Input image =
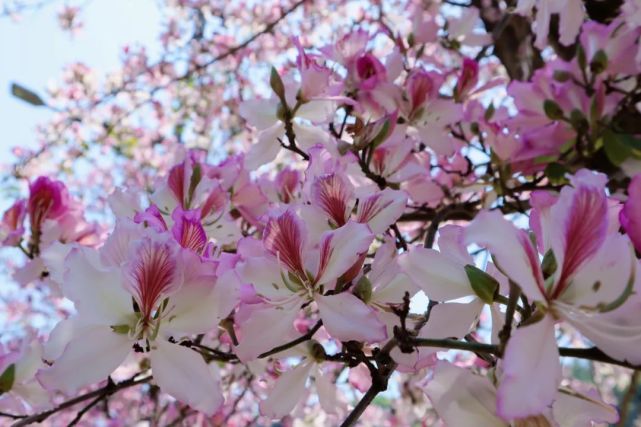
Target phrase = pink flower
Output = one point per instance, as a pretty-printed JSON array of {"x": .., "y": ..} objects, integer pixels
[
  {"x": 468, "y": 78},
  {"x": 594, "y": 274},
  {"x": 630, "y": 215},
  {"x": 48, "y": 199},
  {"x": 11, "y": 227},
  {"x": 289, "y": 270},
  {"x": 175, "y": 294}
]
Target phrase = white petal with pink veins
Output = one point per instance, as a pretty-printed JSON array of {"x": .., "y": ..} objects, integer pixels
[
  {"x": 347, "y": 318},
  {"x": 183, "y": 374},
  {"x": 340, "y": 249},
  {"x": 382, "y": 209}
]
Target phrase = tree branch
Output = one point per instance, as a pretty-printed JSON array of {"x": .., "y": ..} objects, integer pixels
[{"x": 103, "y": 392}]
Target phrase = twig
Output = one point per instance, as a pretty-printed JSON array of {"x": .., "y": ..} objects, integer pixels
[
  {"x": 105, "y": 391},
  {"x": 293, "y": 343}
]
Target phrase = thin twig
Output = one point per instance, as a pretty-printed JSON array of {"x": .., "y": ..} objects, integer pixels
[{"x": 105, "y": 391}]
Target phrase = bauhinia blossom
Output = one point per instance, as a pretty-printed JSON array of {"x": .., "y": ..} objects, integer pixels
[
  {"x": 141, "y": 291},
  {"x": 592, "y": 272}
]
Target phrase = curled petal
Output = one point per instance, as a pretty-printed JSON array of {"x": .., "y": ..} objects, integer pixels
[
  {"x": 341, "y": 249},
  {"x": 381, "y": 209}
]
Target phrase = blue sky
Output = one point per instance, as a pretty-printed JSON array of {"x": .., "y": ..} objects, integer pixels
[{"x": 34, "y": 51}]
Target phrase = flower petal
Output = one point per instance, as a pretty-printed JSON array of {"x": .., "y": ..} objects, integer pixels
[
  {"x": 381, "y": 209},
  {"x": 183, "y": 374},
  {"x": 617, "y": 334},
  {"x": 440, "y": 276},
  {"x": 266, "y": 148},
  {"x": 265, "y": 328},
  {"x": 531, "y": 371},
  {"x": 91, "y": 355},
  {"x": 630, "y": 216},
  {"x": 513, "y": 251},
  {"x": 576, "y": 410},
  {"x": 347, "y": 318},
  {"x": 462, "y": 398},
  {"x": 287, "y": 392},
  {"x": 340, "y": 249},
  {"x": 327, "y": 392},
  {"x": 96, "y": 291}
]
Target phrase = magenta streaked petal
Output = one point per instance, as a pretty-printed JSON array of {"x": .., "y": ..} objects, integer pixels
[
  {"x": 48, "y": 199},
  {"x": 152, "y": 273},
  {"x": 151, "y": 217},
  {"x": 287, "y": 182},
  {"x": 188, "y": 231},
  {"x": 11, "y": 226},
  {"x": 381, "y": 209},
  {"x": 283, "y": 237},
  {"x": 215, "y": 203},
  {"x": 341, "y": 249},
  {"x": 335, "y": 196},
  {"x": 630, "y": 215},
  {"x": 512, "y": 250},
  {"x": 584, "y": 228},
  {"x": 176, "y": 182}
]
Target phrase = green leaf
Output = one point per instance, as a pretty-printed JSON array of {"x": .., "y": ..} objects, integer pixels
[
  {"x": 7, "y": 378},
  {"x": 615, "y": 148},
  {"x": 484, "y": 285},
  {"x": 26, "y": 95}
]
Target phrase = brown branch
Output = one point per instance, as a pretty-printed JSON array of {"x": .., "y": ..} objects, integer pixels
[
  {"x": 308, "y": 336},
  {"x": 103, "y": 392}
]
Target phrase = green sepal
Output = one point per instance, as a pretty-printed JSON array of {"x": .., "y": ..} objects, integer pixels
[{"x": 484, "y": 285}]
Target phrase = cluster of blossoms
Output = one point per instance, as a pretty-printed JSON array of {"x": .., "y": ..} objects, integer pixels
[{"x": 406, "y": 217}]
